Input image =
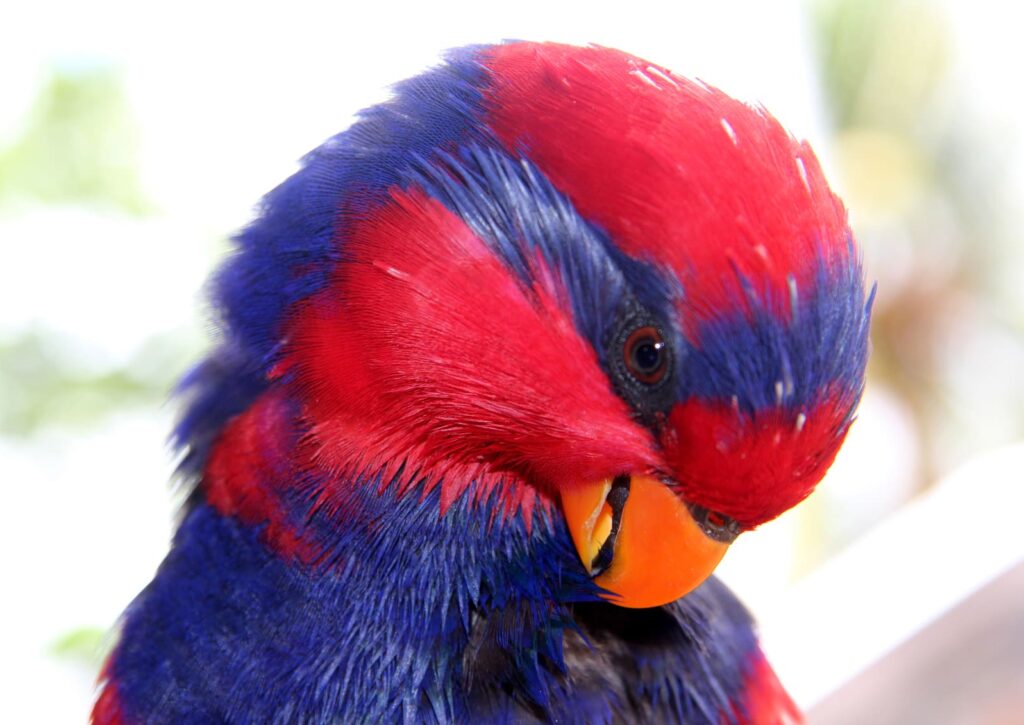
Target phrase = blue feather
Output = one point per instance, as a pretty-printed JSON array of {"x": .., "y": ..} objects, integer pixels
[{"x": 229, "y": 631}]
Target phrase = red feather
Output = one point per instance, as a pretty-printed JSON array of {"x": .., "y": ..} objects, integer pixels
[
  {"x": 676, "y": 171},
  {"x": 766, "y": 701}
]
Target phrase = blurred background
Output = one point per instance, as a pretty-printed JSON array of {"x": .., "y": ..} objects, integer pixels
[{"x": 134, "y": 141}]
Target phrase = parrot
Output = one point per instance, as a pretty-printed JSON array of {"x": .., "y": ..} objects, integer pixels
[{"x": 500, "y": 373}]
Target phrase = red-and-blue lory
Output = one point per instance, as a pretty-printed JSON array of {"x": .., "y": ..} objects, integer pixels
[{"x": 501, "y": 373}]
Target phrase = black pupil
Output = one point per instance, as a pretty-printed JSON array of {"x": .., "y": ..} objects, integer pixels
[{"x": 647, "y": 355}]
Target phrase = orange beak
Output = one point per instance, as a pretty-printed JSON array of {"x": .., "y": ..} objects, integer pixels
[{"x": 639, "y": 540}]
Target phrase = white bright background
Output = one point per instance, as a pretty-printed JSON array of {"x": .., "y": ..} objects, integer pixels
[{"x": 226, "y": 99}]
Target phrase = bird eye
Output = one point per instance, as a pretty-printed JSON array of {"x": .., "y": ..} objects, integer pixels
[
  {"x": 645, "y": 355},
  {"x": 641, "y": 360}
]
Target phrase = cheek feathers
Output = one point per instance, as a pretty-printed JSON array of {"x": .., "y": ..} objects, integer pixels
[{"x": 424, "y": 345}]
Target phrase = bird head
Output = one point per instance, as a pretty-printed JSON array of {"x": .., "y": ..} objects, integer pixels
[{"x": 564, "y": 278}]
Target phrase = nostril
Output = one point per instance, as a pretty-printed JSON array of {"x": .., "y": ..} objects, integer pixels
[
  {"x": 716, "y": 519},
  {"x": 716, "y": 525}
]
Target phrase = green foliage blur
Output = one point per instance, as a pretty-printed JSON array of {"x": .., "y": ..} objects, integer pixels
[{"x": 78, "y": 147}]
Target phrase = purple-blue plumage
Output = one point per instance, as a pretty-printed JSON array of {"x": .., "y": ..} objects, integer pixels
[{"x": 471, "y": 631}]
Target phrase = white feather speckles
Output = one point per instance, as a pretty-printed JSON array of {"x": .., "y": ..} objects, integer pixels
[
  {"x": 794, "y": 296},
  {"x": 644, "y": 77},
  {"x": 788, "y": 385},
  {"x": 391, "y": 271},
  {"x": 801, "y": 420},
  {"x": 802, "y": 170},
  {"x": 727, "y": 127},
  {"x": 661, "y": 74}
]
